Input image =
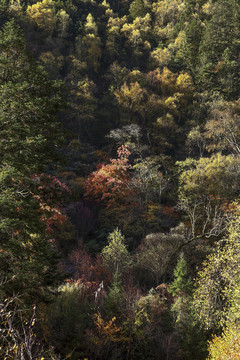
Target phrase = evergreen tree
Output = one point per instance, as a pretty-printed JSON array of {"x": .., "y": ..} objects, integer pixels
[
  {"x": 28, "y": 198},
  {"x": 182, "y": 282},
  {"x": 115, "y": 255},
  {"x": 29, "y": 104},
  {"x": 219, "y": 49},
  {"x": 189, "y": 332},
  {"x": 4, "y": 5}
]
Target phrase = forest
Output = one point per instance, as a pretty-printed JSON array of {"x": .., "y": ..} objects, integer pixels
[{"x": 119, "y": 180}]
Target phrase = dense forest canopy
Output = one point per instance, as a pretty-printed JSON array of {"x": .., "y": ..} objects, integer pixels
[{"x": 119, "y": 179}]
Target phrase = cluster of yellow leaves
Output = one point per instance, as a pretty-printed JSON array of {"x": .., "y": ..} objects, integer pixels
[
  {"x": 91, "y": 44},
  {"x": 214, "y": 176},
  {"x": 227, "y": 346},
  {"x": 167, "y": 13},
  {"x": 169, "y": 84},
  {"x": 108, "y": 331},
  {"x": 218, "y": 292},
  {"x": 138, "y": 31},
  {"x": 130, "y": 97},
  {"x": 113, "y": 34},
  {"x": 43, "y": 14},
  {"x": 160, "y": 57},
  {"x": 90, "y": 25}
]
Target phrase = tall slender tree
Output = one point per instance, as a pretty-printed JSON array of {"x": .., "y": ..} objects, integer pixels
[{"x": 29, "y": 133}]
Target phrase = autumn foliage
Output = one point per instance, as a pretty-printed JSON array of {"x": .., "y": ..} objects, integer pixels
[
  {"x": 227, "y": 346},
  {"x": 110, "y": 182},
  {"x": 49, "y": 193}
]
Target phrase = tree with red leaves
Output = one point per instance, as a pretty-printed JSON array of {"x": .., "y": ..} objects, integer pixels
[{"x": 110, "y": 182}]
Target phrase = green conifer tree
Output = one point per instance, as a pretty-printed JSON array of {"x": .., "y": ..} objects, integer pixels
[
  {"x": 28, "y": 137},
  {"x": 219, "y": 49},
  {"x": 182, "y": 282}
]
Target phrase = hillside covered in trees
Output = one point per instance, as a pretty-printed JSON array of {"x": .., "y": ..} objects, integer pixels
[{"x": 119, "y": 180}]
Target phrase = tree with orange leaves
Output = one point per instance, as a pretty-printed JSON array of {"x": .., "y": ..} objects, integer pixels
[{"x": 110, "y": 182}]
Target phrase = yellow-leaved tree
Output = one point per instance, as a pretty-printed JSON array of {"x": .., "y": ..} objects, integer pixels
[{"x": 43, "y": 14}]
